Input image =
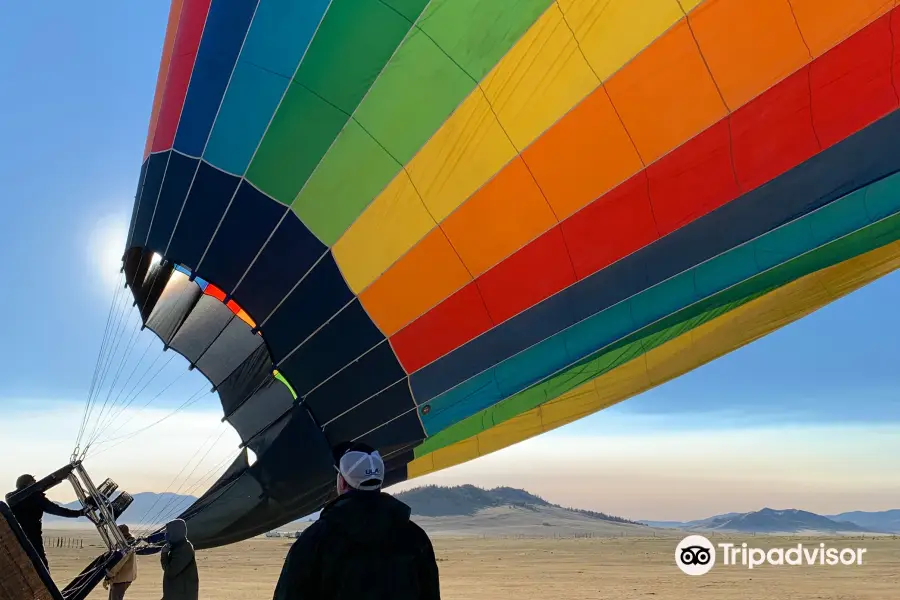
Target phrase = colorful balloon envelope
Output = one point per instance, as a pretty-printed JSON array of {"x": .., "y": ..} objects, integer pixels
[{"x": 442, "y": 227}]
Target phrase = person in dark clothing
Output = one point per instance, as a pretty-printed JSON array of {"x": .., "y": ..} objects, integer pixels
[
  {"x": 363, "y": 545},
  {"x": 181, "y": 580},
  {"x": 30, "y": 511}
]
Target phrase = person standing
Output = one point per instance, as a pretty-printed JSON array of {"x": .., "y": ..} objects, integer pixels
[
  {"x": 121, "y": 576},
  {"x": 29, "y": 512},
  {"x": 363, "y": 546},
  {"x": 181, "y": 580}
]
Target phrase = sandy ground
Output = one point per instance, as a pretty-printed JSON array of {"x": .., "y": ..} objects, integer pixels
[{"x": 562, "y": 568}]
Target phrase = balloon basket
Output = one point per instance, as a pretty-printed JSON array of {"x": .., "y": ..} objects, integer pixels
[{"x": 24, "y": 576}]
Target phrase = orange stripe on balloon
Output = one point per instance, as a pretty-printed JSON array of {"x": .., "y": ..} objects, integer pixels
[
  {"x": 243, "y": 316},
  {"x": 164, "y": 62}
]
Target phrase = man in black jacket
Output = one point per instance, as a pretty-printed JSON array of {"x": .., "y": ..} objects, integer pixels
[
  {"x": 30, "y": 511},
  {"x": 363, "y": 546}
]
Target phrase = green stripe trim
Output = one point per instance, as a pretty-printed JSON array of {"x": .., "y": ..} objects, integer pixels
[{"x": 281, "y": 378}]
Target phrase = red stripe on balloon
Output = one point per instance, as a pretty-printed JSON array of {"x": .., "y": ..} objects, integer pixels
[{"x": 187, "y": 42}]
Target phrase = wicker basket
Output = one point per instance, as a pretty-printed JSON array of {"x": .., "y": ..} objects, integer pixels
[{"x": 19, "y": 580}]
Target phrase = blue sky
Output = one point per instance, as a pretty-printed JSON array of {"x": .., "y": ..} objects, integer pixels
[{"x": 78, "y": 88}]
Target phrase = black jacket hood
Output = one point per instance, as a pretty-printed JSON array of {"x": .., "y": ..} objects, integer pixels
[{"x": 365, "y": 516}]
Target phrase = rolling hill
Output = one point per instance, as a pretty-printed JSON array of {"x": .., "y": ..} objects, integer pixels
[
  {"x": 439, "y": 501},
  {"x": 770, "y": 520},
  {"x": 886, "y": 520},
  {"x": 467, "y": 510}
]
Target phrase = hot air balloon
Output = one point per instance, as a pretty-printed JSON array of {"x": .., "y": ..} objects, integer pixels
[{"x": 442, "y": 227}]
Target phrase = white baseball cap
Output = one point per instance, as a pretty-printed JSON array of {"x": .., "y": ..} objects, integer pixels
[{"x": 362, "y": 470}]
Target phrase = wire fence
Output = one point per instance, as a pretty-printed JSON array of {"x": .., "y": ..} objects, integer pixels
[{"x": 64, "y": 542}]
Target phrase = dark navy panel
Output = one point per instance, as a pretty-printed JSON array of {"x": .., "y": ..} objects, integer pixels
[
  {"x": 344, "y": 339},
  {"x": 221, "y": 506},
  {"x": 321, "y": 295},
  {"x": 284, "y": 493},
  {"x": 250, "y": 220},
  {"x": 270, "y": 402},
  {"x": 629, "y": 277},
  {"x": 397, "y": 455},
  {"x": 407, "y": 428},
  {"x": 261, "y": 441},
  {"x": 287, "y": 257},
  {"x": 399, "y": 473},
  {"x": 381, "y": 414},
  {"x": 524, "y": 330},
  {"x": 269, "y": 514},
  {"x": 396, "y": 458},
  {"x": 360, "y": 381},
  {"x": 137, "y": 197},
  {"x": 204, "y": 207},
  {"x": 156, "y": 170},
  {"x": 253, "y": 373},
  {"x": 179, "y": 175},
  {"x": 223, "y": 35},
  {"x": 237, "y": 467},
  {"x": 859, "y": 160},
  {"x": 301, "y": 441}
]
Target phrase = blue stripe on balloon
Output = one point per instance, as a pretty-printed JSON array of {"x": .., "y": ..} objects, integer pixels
[
  {"x": 223, "y": 35},
  {"x": 281, "y": 32}
]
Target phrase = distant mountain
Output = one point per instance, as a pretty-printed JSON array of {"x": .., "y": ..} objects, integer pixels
[
  {"x": 436, "y": 501},
  {"x": 147, "y": 508},
  {"x": 769, "y": 520},
  {"x": 439, "y": 501},
  {"x": 886, "y": 520},
  {"x": 468, "y": 510},
  {"x": 688, "y": 524}
]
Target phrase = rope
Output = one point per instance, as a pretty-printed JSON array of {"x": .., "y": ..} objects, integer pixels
[
  {"x": 100, "y": 354},
  {"x": 147, "y": 518}
]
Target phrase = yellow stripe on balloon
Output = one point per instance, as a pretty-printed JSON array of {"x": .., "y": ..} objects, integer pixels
[
  {"x": 695, "y": 348},
  {"x": 544, "y": 75},
  {"x": 612, "y": 32}
]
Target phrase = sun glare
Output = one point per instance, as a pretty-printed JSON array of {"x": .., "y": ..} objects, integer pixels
[{"x": 107, "y": 244}]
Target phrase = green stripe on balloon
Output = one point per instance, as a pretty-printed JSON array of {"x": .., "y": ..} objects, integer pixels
[
  {"x": 281, "y": 378},
  {"x": 354, "y": 42},
  {"x": 439, "y": 64}
]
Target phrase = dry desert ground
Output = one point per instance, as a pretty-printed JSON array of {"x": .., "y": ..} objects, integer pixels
[{"x": 548, "y": 568}]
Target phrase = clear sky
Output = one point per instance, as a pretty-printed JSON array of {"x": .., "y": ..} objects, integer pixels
[{"x": 808, "y": 417}]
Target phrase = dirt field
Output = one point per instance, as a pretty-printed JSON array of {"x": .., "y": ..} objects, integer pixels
[{"x": 612, "y": 568}]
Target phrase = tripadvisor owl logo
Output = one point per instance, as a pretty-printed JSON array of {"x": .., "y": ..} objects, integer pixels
[{"x": 695, "y": 555}]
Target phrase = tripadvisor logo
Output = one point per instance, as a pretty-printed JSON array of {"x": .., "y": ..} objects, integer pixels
[{"x": 696, "y": 555}]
